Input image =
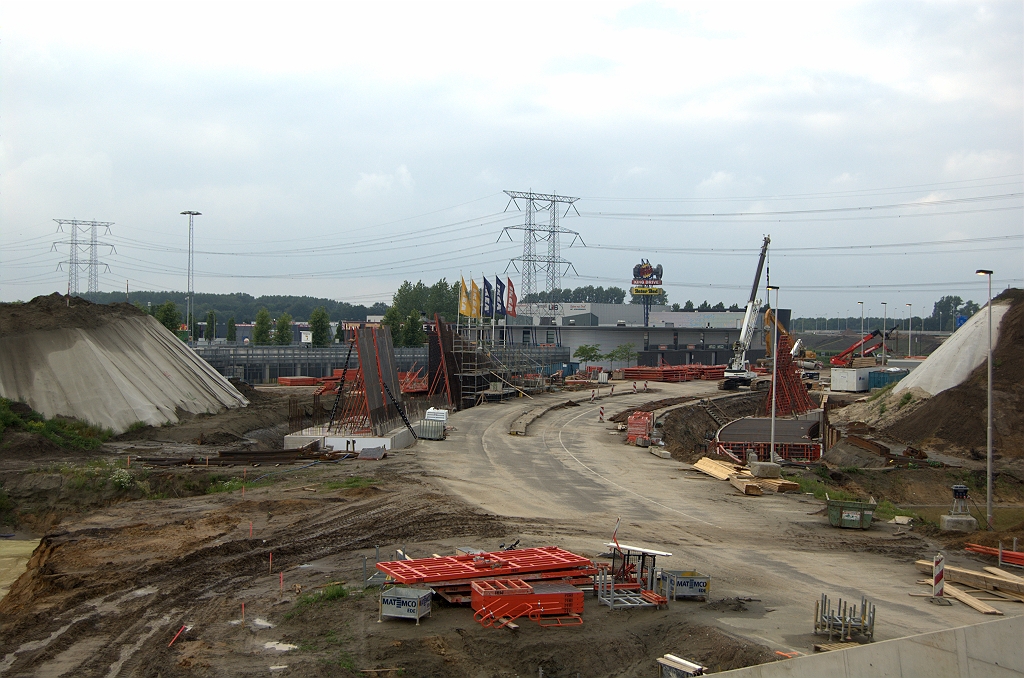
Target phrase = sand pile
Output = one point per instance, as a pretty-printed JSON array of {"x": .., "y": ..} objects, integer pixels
[
  {"x": 954, "y": 419},
  {"x": 952, "y": 362},
  {"x": 110, "y": 365}
]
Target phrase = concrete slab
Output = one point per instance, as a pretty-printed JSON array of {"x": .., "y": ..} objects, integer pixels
[{"x": 950, "y": 523}]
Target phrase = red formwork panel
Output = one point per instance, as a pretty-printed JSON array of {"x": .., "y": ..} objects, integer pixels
[
  {"x": 514, "y": 598},
  {"x": 452, "y": 569}
]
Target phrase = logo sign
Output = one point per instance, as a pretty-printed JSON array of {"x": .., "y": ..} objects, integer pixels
[
  {"x": 646, "y": 281},
  {"x": 639, "y": 291},
  {"x": 306, "y": 337}
]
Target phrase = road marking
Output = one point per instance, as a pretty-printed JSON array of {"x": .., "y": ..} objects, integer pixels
[{"x": 615, "y": 484}]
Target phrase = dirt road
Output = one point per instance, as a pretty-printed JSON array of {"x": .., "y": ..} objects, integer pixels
[
  {"x": 576, "y": 470},
  {"x": 105, "y": 593}
]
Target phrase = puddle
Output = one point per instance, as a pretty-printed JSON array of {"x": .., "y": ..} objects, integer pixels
[
  {"x": 280, "y": 647},
  {"x": 261, "y": 623},
  {"x": 14, "y": 554},
  {"x": 279, "y": 667}
]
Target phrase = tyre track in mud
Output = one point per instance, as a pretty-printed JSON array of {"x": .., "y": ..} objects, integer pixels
[{"x": 196, "y": 587}]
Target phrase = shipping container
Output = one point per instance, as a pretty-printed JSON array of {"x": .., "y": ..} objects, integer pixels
[
  {"x": 883, "y": 378},
  {"x": 849, "y": 379}
]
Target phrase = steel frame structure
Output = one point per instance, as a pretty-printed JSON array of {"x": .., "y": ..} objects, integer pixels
[
  {"x": 532, "y": 262},
  {"x": 77, "y": 246}
]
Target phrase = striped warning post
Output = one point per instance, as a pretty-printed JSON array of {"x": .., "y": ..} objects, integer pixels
[
  {"x": 634, "y": 387},
  {"x": 938, "y": 566},
  {"x": 593, "y": 395},
  {"x": 600, "y": 414},
  {"x": 612, "y": 392},
  {"x": 645, "y": 387}
]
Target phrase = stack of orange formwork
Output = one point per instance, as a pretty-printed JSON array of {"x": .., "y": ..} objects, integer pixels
[
  {"x": 666, "y": 373},
  {"x": 452, "y": 577},
  {"x": 499, "y": 602},
  {"x": 297, "y": 381},
  {"x": 639, "y": 425}
]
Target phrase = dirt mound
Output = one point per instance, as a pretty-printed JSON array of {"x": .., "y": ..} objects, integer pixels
[
  {"x": 622, "y": 416},
  {"x": 24, "y": 445},
  {"x": 55, "y": 312},
  {"x": 109, "y": 366},
  {"x": 954, "y": 421},
  {"x": 843, "y": 454},
  {"x": 687, "y": 430}
]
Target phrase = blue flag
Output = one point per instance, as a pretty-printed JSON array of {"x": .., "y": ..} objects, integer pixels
[
  {"x": 488, "y": 300},
  {"x": 499, "y": 297}
]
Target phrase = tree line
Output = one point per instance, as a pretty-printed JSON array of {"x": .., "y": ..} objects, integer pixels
[
  {"x": 942, "y": 319},
  {"x": 588, "y": 353},
  {"x": 244, "y": 307}
]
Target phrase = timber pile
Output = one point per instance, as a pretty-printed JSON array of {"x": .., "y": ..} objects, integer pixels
[
  {"x": 992, "y": 585},
  {"x": 741, "y": 478}
]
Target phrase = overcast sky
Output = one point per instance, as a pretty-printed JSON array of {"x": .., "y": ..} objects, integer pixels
[{"x": 337, "y": 149}]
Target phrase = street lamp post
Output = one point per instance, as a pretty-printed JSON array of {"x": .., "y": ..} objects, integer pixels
[
  {"x": 885, "y": 323},
  {"x": 988, "y": 436},
  {"x": 775, "y": 371},
  {"x": 910, "y": 331},
  {"x": 191, "y": 274},
  {"x": 861, "y": 327}
]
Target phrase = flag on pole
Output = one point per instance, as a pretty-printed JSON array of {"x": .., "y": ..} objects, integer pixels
[
  {"x": 474, "y": 299},
  {"x": 488, "y": 301},
  {"x": 464, "y": 307},
  {"x": 499, "y": 296},
  {"x": 510, "y": 306}
]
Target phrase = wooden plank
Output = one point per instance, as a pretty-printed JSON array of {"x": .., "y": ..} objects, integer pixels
[
  {"x": 970, "y": 601},
  {"x": 709, "y": 467},
  {"x": 1003, "y": 574},
  {"x": 981, "y": 580},
  {"x": 777, "y": 485},
  {"x": 747, "y": 487}
]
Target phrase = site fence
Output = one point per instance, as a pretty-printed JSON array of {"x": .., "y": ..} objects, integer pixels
[{"x": 264, "y": 364}]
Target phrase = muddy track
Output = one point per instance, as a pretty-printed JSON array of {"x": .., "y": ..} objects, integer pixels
[{"x": 128, "y": 610}]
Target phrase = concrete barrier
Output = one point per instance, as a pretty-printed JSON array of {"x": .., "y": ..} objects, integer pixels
[{"x": 990, "y": 649}]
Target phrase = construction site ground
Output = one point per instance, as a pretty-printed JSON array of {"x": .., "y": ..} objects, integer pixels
[{"x": 111, "y": 583}]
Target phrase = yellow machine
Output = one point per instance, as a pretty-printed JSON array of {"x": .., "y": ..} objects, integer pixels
[{"x": 798, "y": 352}]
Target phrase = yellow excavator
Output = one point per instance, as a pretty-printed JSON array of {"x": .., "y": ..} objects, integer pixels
[{"x": 799, "y": 353}]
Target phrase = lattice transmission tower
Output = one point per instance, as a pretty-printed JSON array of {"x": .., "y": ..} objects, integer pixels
[
  {"x": 532, "y": 263},
  {"x": 83, "y": 239}
]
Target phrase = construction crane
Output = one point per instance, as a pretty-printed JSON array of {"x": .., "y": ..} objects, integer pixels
[
  {"x": 846, "y": 357},
  {"x": 738, "y": 373}
]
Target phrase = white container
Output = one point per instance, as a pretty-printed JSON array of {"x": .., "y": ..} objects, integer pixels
[
  {"x": 405, "y": 603},
  {"x": 436, "y": 414},
  {"x": 852, "y": 380},
  {"x": 602, "y": 377}
]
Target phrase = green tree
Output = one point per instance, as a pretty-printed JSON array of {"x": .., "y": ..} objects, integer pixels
[
  {"x": 283, "y": 330},
  {"x": 688, "y": 306},
  {"x": 412, "y": 332},
  {"x": 587, "y": 353},
  {"x": 393, "y": 320},
  {"x": 168, "y": 315},
  {"x": 339, "y": 334},
  {"x": 622, "y": 353},
  {"x": 211, "y": 325},
  {"x": 232, "y": 333},
  {"x": 718, "y": 307},
  {"x": 320, "y": 325},
  {"x": 704, "y": 306},
  {"x": 261, "y": 328}
]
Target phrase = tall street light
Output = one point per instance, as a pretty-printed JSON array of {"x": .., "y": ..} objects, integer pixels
[
  {"x": 885, "y": 323},
  {"x": 775, "y": 369},
  {"x": 191, "y": 274},
  {"x": 988, "y": 441},
  {"x": 861, "y": 327},
  {"x": 910, "y": 332}
]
